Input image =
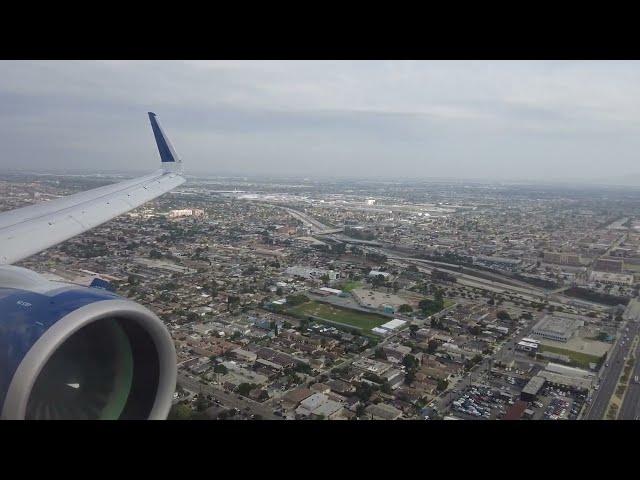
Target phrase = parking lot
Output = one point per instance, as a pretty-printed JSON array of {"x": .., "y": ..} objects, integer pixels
[
  {"x": 481, "y": 402},
  {"x": 561, "y": 404},
  {"x": 492, "y": 399}
]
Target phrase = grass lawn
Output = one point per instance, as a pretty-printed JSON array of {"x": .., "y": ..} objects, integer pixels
[
  {"x": 581, "y": 360},
  {"x": 447, "y": 303},
  {"x": 344, "y": 316},
  {"x": 350, "y": 285}
]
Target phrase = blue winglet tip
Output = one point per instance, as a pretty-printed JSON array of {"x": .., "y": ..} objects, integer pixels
[{"x": 167, "y": 154}]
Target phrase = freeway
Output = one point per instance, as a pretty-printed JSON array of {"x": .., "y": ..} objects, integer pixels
[
  {"x": 610, "y": 374},
  {"x": 228, "y": 399},
  {"x": 522, "y": 289},
  {"x": 307, "y": 219},
  {"x": 529, "y": 293}
]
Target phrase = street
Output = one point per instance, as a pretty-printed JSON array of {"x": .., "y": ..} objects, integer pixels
[
  {"x": 630, "y": 409},
  {"x": 230, "y": 400},
  {"x": 610, "y": 374}
]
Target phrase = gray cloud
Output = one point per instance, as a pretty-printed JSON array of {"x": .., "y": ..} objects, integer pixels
[{"x": 536, "y": 120}]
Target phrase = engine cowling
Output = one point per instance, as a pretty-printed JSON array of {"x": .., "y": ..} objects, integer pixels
[{"x": 71, "y": 352}]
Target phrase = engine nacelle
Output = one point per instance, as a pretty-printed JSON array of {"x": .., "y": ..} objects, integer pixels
[{"x": 71, "y": 352}]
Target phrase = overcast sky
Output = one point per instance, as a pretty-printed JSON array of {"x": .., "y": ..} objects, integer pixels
[{"x": 467, "y": 119}]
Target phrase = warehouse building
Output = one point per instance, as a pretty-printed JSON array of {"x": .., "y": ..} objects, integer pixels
[
  {"x": 387, "y": 328},
  {"x": 527, "y": 346},
  {"x": 570, "y": 377},
  {"x": 310, "y": 273},
  {"x": 609, "y": 265},
  {"x": 559, "y": 329},
  {"x": 375, "y": 273},
  {"x": 613, "y": 278},
  {"x": 532, "y": 388}
]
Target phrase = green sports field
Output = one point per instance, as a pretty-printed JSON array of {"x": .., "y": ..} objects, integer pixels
[
  {"x": 581, "y": 360},
  {"x": 350, "y": 285},
  {"x": 344, "y": 316}
]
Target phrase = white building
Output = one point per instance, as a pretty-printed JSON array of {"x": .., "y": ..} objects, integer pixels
[
  {"x": 559, "y": 329},
  {"x": 333, "y": 291},
  {"x": 309, "y": 272},
  {"x": 375, "y": 273},
  {"x": 527, "y": 346},
  {"x": 614, "y": 278},
  {"x": 309, "y": 404},
  {"x": 190, "y": 212}
]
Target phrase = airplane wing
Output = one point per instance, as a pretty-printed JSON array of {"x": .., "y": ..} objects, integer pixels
[{"x": 29, "y": 230}]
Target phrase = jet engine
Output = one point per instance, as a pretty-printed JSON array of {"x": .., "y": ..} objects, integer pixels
[{"x": 73, "y": 352}]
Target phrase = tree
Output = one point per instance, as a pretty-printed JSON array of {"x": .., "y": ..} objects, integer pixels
[
  {"x": 303, "y": 368},
  {"x": 410, "y": 362},
  {"x": 409, "y": 378},
  {"x": 201, "y": 403},
  {"x": 245, "y": 388},
  {"x": 475, "y": 330},
  {"x": 442, "y": 384},
  {"x": 220, "y": 369},
  {"x": 379, "y": 354},
  {"x": 378, "y": 280},
  {"x": 232, "y": 301},
  {"x": 298, "y": 299},
  {"x": 503, "y": 315},
  {"x": 405, "y": 308},
  {"x": 438, "y": 298},
  {"x": 364, "y": 391},
  {"x": 304, "y": 324},
  {"x": 180, "y": 412}
]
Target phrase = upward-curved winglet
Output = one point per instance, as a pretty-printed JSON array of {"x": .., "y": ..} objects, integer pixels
[
  {"x": 31, "y": 229},
  {"x": 168, "y": 156}
]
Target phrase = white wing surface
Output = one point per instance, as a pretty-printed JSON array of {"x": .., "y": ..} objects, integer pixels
[{"x": 29, "y": 230}]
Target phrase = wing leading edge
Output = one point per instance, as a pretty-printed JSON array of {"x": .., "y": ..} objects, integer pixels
[{"x": 29, "y": 230}]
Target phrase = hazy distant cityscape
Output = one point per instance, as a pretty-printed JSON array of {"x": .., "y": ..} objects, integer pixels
[{"x": 345, "y": 300}]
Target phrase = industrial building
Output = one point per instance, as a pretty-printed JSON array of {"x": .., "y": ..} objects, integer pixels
[
  {"x": 190, "y": 212},
  {"x": 527, "y": 346},
  {"x": 562, "y": 258},
  {"x": 387, "y": 328},
  {"x": 375, "y": 273},
  {"x": 499, "y": 262},
  {"x": 609, "y": 265},
  {"x": 532, "y": 388},
  {"x": 568, "y": 376},
  {"x": 309, "y": 273},
  {"x": 613, "y": 278},
  {"x": 559, "y": 329}
]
